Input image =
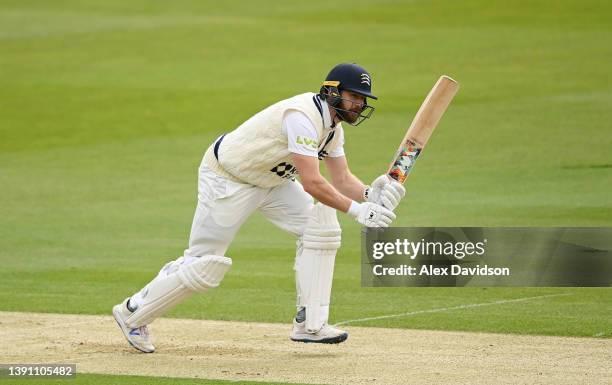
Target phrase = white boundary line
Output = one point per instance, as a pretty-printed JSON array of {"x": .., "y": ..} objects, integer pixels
[{"x": 443, "y": 309}]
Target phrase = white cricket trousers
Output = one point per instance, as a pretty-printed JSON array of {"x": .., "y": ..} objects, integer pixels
[{"x": 224, "y": 206}]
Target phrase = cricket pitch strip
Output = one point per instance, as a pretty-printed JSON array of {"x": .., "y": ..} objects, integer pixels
[{"x": 263, "y": 352}]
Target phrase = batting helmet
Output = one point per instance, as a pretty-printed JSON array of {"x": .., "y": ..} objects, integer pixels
[{"x": 349, "y": 77}]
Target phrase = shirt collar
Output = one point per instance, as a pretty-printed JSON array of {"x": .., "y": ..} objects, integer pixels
[{"x": 327, "y": 120}]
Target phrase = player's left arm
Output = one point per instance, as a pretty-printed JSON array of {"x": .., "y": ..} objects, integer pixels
[{"x": 343, "y": 179}]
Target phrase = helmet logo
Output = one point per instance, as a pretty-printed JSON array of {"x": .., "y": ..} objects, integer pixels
[{"x": 365, "y": 78}]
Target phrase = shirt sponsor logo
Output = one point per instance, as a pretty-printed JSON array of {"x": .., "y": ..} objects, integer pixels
[
  {"x": 309, "y": 143},
  {"x": 285, "y": 170}
]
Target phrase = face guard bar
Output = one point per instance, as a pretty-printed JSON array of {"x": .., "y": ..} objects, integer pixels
[{"x": 332, "y": 95}]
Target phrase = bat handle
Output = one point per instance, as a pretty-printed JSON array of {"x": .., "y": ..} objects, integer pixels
[{"x": 393, "y": 174}]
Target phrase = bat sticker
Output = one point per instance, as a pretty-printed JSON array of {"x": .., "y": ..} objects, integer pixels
[{"x": 404, "y": 161}]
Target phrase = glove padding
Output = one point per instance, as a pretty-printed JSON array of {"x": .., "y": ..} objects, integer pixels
[
  {"x": 386, "y": 192},
  {"x": 371, "y": 215}
]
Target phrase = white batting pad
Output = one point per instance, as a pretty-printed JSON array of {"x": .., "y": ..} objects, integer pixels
[
  {"x": 165, "y": 292},
  {"x": 315, "y": 265}
]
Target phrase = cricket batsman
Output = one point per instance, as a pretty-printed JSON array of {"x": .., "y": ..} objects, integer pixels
[{"x": 254, "y": 168}]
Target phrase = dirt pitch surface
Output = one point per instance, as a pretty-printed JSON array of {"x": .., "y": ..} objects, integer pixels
[{"x": 262, "y": 352}]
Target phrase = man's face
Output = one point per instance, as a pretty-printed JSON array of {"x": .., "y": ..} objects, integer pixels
[{"x": 352, "y": 102}]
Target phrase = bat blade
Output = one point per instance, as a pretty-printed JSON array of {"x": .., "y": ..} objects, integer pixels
[{"x": 421, "y": 128}]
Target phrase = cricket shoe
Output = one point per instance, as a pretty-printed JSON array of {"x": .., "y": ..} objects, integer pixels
[
  {"x": 326, "y": 335},
  {"x": 137, "y": 337}
]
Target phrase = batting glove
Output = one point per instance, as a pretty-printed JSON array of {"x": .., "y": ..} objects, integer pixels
[
  {"x": 371, "y": 215},
  {"x": 385, "y": 191}
]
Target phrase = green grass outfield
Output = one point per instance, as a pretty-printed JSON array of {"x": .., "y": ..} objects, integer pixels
[{"x": 106, "y": 109}]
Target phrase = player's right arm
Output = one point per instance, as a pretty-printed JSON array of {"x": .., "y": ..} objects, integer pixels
[
  {"x": 367, "y": 213},
  {"x": 302, "y": 143},
  {"x": 316, "y": 185}
]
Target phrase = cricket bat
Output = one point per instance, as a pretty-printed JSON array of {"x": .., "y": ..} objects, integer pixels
[{"x": 422, "y": 127}]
